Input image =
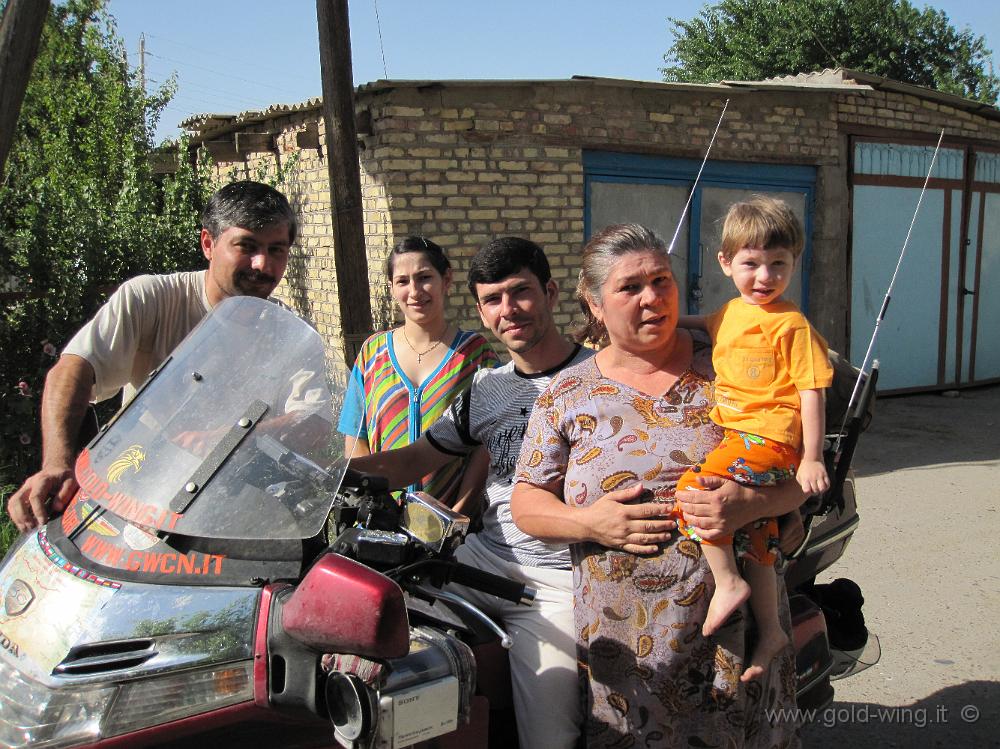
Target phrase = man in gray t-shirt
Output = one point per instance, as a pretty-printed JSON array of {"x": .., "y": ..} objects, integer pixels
[
  {"x": 247, "y": 230},
  {"x": 516, "y": 298},
  {"x": 494, "y": 412}
]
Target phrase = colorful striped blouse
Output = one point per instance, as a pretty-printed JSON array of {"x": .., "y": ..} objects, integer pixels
[{"x": 396, "y": 412}]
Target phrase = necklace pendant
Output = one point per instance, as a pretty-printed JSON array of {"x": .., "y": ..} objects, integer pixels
[{"x": 420, "y": 358}]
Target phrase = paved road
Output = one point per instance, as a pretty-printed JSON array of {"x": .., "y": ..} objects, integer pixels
[{"x": 927, "y": 556}]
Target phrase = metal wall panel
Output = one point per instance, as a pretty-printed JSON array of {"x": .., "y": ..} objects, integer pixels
[
  {"x": 907, "y": 344},
  {"x": 987, "y": 361}
]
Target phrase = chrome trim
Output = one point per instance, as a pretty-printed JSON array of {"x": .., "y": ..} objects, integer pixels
[
  {"x": 845, "y": 531},
  {"x": 106, "y": 657},
  {"x": 815, "y": 679},
  {"x": 805, "y": 541},
  {"x": 137, "y": 630},
  {"x": 505, "y": 639}
]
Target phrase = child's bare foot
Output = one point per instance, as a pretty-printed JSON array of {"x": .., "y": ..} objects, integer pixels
[
  {"x": 768, "y": 646},
  {"x": 728, "y": 597}
]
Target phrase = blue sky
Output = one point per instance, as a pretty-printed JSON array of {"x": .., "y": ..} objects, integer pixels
[{"x": 233, "y": 55}]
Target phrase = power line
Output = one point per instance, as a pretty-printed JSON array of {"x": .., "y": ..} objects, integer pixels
[
  {"x": 203, "y": 105},
  {"x": 201, "y": 50},
  {"x": 378, "y": 24},
  {"x": 184, "y": 83},
  {"x": 215, "y": 72},
  {"x": 184, "y": 92},
  {"x": 837, "y": 63}
]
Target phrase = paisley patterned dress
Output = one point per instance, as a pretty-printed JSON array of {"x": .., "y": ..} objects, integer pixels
[{"x": 649, "y": 677}]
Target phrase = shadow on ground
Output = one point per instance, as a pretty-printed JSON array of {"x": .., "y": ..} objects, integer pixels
[
  {"x": 966, "y": 715},
  {"x": 910, "y": 431}
]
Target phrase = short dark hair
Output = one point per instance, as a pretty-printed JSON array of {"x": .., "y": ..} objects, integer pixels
[
  {"x": 505, "y": 256},
  {"x": 248, "y": 205},
  {"x": 431, "y": 250}
]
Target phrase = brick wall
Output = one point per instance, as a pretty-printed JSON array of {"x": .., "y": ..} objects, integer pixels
[
  {"x": 310, "y": 284},
  {"x": 463, "y": 163},
  {"x": 910, "y": 114}
]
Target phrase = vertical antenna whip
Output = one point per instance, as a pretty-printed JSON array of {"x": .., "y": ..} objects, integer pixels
[
  {"x": 892, "y": 282},
  {"x": 680, "y": 222}
]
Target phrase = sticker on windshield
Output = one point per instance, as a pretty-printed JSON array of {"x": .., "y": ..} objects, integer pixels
[
  {"x": 37, "y": 632},
  {"x": 131, "y": 459},
  {"x": 94, "y": 487}
]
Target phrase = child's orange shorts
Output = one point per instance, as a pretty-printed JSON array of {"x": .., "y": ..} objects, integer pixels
[{"x": 754, "y": 461}]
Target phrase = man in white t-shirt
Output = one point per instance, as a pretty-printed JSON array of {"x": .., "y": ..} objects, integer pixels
[
  {"x": 247, "y": 231},
  {"x": 516, "y": 298}
]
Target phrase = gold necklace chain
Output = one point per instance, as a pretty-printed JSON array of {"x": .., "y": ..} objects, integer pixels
[{"x": 420, "y": 354}]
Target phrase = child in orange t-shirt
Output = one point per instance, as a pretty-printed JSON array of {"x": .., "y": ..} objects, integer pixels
[{"x": 771, "y": 367}]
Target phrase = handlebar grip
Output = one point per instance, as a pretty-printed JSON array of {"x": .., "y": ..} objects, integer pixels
[{"x": 501, "y": 587}]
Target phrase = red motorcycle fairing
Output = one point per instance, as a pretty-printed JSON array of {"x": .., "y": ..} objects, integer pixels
[
  {"x": 242, "y": 725},
  {"x": 342, "y": 606},
  {"x": 260, "y": 660}
]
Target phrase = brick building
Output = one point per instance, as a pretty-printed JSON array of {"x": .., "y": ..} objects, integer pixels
[{"x": 465, "y": 161}]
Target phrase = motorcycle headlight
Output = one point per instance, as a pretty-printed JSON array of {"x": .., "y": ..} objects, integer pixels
[
  {"x": 149, "y": 702},
  {"x": 32, "y": 715}
]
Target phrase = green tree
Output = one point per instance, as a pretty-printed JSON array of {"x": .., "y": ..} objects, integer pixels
[
  {"x": 80, "y": 209},
  {"x": 757, "y": 39}
]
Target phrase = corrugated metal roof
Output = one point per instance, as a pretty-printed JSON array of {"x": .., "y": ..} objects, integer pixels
[
  {"x": 203, "y": 126},
  {"x": 832, "y": 79}
]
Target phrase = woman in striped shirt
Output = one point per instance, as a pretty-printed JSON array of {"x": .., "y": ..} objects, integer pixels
[{"x": 404, "y": 379}]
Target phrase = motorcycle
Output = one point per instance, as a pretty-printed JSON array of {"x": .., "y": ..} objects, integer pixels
[
  {"x": 222, "y": 575},
  {"x": 828, "y": 628}
]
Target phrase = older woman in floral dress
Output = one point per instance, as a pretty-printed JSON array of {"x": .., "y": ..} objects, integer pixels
[{"x": 623, "y": 424}]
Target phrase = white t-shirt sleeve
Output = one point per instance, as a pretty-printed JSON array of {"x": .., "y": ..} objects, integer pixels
[
  {"x": 137, "y": 328},
  {"x": 111, "y": 340}
]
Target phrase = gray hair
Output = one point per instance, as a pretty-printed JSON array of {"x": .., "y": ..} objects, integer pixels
[
  {"x": 600, "y": 255},
  {"x": 248, "y": 205}
]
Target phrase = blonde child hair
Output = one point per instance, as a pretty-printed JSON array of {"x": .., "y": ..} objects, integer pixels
[{"x": 761, "y": 223}]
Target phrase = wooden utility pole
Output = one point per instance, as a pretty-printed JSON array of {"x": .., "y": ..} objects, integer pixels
[
  {"x": 20, "y": 32},
  {"x": 142, "y": 62},
  {"x": 351, "y": 262}
]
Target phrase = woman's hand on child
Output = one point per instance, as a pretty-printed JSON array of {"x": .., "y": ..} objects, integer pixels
[
  {"x": 718, "y": 509},
  {"x": 812, "y": 477}
]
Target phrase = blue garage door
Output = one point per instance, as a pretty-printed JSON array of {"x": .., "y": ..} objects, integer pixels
[{"x": 652, "y": 190}]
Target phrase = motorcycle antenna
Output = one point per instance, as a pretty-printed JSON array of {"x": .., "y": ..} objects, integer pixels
[
  {"x": 680, "y": 222},
  {"x": 888, "y": 293}
]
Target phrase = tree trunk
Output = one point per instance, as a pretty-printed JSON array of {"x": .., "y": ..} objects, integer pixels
[{"x": 20, "y": 32}]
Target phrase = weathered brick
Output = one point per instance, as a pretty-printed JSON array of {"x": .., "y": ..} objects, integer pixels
[
  {"x": 482, "y": 214},
  {"x": 442, "y": 189}
]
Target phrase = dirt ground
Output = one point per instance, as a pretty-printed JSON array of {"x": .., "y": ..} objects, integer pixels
[{"x": 927, "y": 556}]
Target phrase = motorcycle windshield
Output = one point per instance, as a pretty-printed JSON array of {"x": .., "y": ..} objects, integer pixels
[{"x": 232, "y": 438}]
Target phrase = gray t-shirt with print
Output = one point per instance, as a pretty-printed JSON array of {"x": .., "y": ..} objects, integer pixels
[{"x": 494, "y": 412}]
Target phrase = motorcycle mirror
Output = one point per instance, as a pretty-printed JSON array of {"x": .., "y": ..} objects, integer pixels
[
  {"x": 432, "y": 523},
  {"x": 342, "y": 606}
]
